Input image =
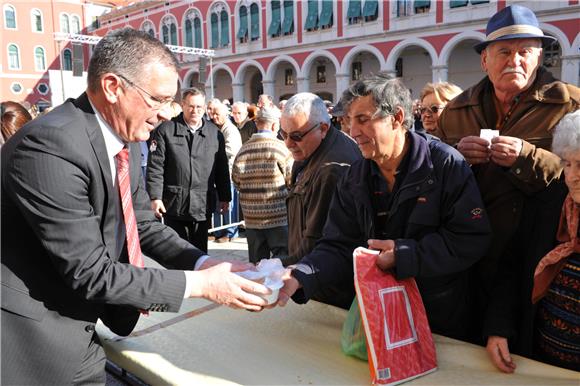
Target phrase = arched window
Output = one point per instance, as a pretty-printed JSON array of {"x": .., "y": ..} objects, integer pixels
[
  {"x": 147, "y": 26},
  {"x": 36, "y": 20},
  {"x": 9, "y": 17},
  {"x": 254, "y": 22},
  {"x": 39, "y": 59},
  {"x": 197, "y": 32},
  {"x": 13, "y": 57},
  {"x": 67, "y": 60},
  {"x": 169, "y": 31},
  {"x": 243, "y": 31},
  {"x": 214, "y": 31},
  {"x": 225, "y": 28},
  {"x": 64, "y": 26},
  {"x": 75, "y": 24}
]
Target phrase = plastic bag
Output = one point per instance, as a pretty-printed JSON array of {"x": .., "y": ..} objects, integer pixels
[
  {"x": 353, "y": 338},
  {"x": 399, "y": 341}
]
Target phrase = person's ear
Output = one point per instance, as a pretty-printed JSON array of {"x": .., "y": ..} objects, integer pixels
[
  {"x": 324, "y": 127},
  {"x": 111, "y": 86},
  {"x": 484, "y": 60},
  {"x": 399, "y": 116}
]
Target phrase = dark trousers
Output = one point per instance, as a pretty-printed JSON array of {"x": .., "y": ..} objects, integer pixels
[
  {"x": 262, "y": 242},
  {"x": 193, "y": 231}
]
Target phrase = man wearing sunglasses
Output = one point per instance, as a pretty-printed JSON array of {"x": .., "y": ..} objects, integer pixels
[
  {"x": 321, "y": 155},
  {"x": 412, "y": 198}
]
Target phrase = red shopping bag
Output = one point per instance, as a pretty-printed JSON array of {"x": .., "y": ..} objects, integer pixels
[{"x": 399, "y": 341}]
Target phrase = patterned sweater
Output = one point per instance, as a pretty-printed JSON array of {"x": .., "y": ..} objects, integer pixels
[{"x": 261, "y": 172}]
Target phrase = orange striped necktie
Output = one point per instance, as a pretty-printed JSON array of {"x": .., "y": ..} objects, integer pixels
[{"x": 123, "y": 179}]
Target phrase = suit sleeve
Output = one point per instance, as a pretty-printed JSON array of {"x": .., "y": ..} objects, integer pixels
[
  {"x": 156, "y": 163},
  {"x": 52, "y": 190},
  {"x": 222, "y": 171}
]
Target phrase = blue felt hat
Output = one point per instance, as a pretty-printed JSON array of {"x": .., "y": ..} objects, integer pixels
[{"x": 513, "y": 22}]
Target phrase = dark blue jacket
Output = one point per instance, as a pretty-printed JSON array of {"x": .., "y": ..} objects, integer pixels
[{"x": 442, "y": 231}]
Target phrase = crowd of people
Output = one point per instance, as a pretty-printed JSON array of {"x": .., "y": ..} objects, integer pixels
[{"x": 487, "y": 226}]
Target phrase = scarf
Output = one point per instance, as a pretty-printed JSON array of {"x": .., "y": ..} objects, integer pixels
[{"x": 551, "y": 264}]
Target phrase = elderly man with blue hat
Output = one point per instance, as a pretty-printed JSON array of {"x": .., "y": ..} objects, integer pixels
[{"x": 502, "y": 126}]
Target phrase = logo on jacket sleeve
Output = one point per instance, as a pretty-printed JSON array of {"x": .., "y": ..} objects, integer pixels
[{"x": 476, "y": 213}]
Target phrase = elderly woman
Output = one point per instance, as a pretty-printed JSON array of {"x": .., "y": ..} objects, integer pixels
[
  {"x": 434, "y": 98},
  {"x": 540, "y": 313}
]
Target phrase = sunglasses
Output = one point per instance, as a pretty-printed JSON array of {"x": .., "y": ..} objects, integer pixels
[
  {"x": 297, "y": 136},
  {"x": 433, "y": 109}
]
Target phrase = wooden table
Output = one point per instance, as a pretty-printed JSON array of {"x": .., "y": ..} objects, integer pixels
[{"x": 206, "y": 344}]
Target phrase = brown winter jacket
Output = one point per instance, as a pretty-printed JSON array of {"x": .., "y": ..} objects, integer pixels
[{"x": 504, "y": 189}]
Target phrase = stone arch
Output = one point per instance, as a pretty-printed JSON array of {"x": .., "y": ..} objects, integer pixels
[
  {"x": 241, "y": 72},
  {"x": 315, "y": 55},
  {"x": 400, "y": 47},
  {"x": 221, "y": 66},
  {"x": 274, "y": 64},
  {"x": 560, "y": 36},
  {"x": 347, "y": 61},
  {"x": 443, "y": 58}
]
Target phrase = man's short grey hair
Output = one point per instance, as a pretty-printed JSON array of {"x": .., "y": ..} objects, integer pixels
[
  {"x": 242, "y": 105},
  {"x": 308, "y": 104},
  {"x": 566, "y": 137},
  {"x": 268, "y": 114},
  {"x": 387, "y": 93},
  {"x": 127, "y": 52}
]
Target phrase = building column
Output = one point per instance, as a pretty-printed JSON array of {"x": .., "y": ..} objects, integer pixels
[
  {"x": 570, "y": 69},
  {"x": 439, "y": 73},
  {"x": 268, "y": 86},
  {"x": 342, "y": 83},
  {"x": 238, "y": 92},
  {"x": 209, "y": 93},
  {"x": 302, "y": 85}
]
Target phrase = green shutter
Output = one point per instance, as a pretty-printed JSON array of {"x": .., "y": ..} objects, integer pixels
[
  {"x": 173, "y": 34},
  {"x": 288, "y": 17},
  {"x": 243, "y": 31},
  {"x": 312, "y": 18},
  {"x": 274, "y": 28},
  {"x": 457, "y": 3},
  {"x": 214, "y": 31},
  {"x": 255, "y": 21},
  {"x": 326, "y": 14},
  {"x": 422, "y": 4},
  {"x": 353, "y": 9},
  {"x": 225, "y": 29},
  {"x": 479, "y": 1},
  {"x": 188, "y": 34},
  {"x": 370, "y": 9},
  {"x": 197, "y": 32}
]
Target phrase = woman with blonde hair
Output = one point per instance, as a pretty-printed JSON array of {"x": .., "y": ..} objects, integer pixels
[{"x": 434, "y": 97}]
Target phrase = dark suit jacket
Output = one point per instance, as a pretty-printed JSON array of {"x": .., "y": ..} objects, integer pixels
[
  {"x": 62, "y": 267},
  {"x": 183, "y": 169}
]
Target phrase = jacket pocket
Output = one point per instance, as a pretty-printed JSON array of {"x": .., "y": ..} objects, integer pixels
[
  {"x": 173, "y": 199},
  {"x": 19, "y": 302}
]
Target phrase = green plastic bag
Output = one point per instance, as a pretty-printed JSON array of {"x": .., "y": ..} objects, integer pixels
[{"x": 353, "y": 339}]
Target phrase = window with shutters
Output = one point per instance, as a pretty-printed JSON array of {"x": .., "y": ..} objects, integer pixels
[
  {"x": 9, "y": 17},
  {"x": 75, "y": 22},
  {"x": 148, "y": 27},
  {"x": 169, "y": 30},
  {"x": 220, "y": 26},
  {"x": 64, "y": 23},
  {"x": 39, "y": 59},
  {"x": 67, "y": 60},
  {"x": 192, "y": 29},
  {"x": 36, "y": 20},
  {"x": 13, "y": 57},
  {"x": 242, "y": 34},
  {"x": 254, "y": 22},
  {"x": 422, "y": 6}
]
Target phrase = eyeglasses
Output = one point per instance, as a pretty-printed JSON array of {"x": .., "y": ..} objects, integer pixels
[
  {"x": 433, "y": 109},
  {"x": 158, "y": 103},
  {"x": 297, "y": 136}
]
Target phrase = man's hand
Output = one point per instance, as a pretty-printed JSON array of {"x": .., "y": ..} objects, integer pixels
[
  {"x": 474, "y": 149},
  {"x": 218, "y": 284},
  {"x": 385, "y": 259},
  {"x": 224, "y": 206},
  {"x": 499, "y": 353},
  {"x": 505, "y": 150},
  {"x": 291, "y": 285},
  {"x": 158, "y": 208}
]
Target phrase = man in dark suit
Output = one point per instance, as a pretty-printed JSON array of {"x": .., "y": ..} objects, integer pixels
[
  {"x": 187, "y": 165},
  {"x": 65, "y": 260}
]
